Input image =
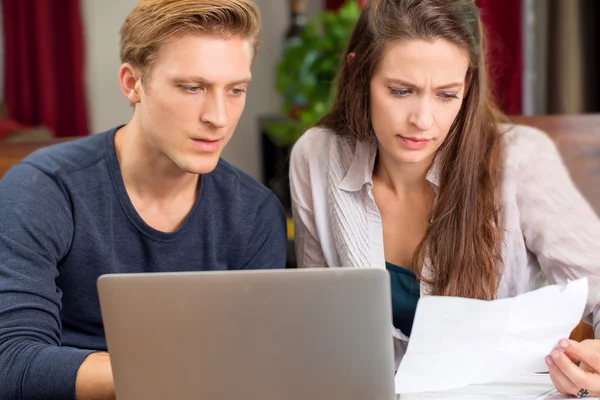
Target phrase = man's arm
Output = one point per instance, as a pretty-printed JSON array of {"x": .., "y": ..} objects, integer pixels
[
  {"x": 94, "y": 378},
  {"x": 36, "y": 230}
]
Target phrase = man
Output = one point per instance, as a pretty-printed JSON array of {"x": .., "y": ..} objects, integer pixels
[{"x": 150, "y": 196}]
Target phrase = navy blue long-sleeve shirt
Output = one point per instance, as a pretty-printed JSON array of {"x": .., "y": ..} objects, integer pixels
[{"x": 66, "y": 219}]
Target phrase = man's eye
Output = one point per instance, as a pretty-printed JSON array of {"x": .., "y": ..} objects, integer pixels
[{"x": 191, "y": 89}]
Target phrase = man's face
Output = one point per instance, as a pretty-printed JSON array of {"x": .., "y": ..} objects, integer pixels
[{"x": 192, "y": 100}]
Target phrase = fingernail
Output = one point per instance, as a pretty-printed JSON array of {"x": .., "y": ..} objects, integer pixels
[
  {"x": 554, "y": 354},
  {"x": 549, "y": 361},
  {"x": 563, "y": 344}
]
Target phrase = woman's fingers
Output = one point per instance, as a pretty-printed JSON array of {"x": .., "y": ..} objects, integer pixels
[
  {"x": 561, "y": 381},
  {"x": 588, "y": 352},
  {"x": 571, "y": 377}
]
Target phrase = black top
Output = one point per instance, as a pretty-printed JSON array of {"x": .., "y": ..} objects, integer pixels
[{"x": 405, "y": 295}]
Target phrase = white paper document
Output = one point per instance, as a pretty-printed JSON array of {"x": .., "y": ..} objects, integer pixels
[
  {"x": 457, "y": 342},
  {"x": 522, "y": 387}
]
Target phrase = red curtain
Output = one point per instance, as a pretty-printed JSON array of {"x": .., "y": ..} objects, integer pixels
[
  {"x": 44, "y": 65},
  {"x": 502, "y": 21},
  {"x": 334, "y": 4}
]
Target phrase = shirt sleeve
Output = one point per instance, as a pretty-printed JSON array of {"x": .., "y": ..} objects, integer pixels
[
  {"x": 36, "y": 232},
  {"x": 307, "y": 245},
  {"x": 558, "y": 224}
]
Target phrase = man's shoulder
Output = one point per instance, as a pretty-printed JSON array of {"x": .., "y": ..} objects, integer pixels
[
  {"x": 231, "y": 178},
  {"x": 241, "y": 199},
  {"x": 64, "y": 158}
]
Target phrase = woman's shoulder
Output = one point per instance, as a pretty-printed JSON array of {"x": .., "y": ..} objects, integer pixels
[
  {"x": 316, "y": 144},
  {"x": 523, "y": 144},
  {"x": 315, "y": 137},
  {"x": 523, "y": 134}
]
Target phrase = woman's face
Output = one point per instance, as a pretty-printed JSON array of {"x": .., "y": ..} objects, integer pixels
[{"x": 417, "y": 90}]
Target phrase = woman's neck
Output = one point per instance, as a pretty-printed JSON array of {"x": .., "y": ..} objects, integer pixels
[{"x": 401, "y": 178}]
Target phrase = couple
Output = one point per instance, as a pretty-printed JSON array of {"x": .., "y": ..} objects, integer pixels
[{"x": 412, "y": 170}]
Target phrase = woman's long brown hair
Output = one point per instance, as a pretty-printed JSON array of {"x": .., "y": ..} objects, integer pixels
[{"x": 463, "y": 239}]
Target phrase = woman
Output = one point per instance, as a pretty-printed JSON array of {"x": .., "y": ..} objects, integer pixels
[{"x": 413, "y": 171}]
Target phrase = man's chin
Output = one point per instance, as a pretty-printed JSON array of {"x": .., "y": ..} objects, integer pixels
[{"x": 201, "y": 168}]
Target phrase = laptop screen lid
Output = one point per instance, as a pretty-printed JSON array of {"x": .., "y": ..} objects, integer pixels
[{"x": 308, "y": 334}]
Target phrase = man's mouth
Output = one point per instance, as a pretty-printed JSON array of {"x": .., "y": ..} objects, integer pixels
[{"x": 207, "y": 145}]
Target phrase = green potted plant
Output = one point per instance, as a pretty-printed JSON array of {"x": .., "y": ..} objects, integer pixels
[{"x": 305, "y": 73}]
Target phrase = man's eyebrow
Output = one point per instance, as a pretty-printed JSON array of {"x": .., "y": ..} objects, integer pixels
[{"x": 201, "y": 81}]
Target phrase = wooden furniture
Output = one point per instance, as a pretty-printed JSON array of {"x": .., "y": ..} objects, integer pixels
[{"x": 13, "y": 152}]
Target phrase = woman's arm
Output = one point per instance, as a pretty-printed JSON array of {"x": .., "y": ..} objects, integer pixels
[
  {"x": 306, "y": 240},
  {"x": 558, "y": 224},
  {"x": 563, "y": 232}
]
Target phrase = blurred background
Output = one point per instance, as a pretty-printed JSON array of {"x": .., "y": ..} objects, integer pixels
[
  {"x": 58, "y": 75},
  {"x": 60, "y": 58}
]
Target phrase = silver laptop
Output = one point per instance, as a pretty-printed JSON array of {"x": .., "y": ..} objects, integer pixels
[{"x": 310, "y": 334}]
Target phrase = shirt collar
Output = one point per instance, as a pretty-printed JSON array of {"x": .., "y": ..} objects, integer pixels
[{"x": 360, "y": 169}]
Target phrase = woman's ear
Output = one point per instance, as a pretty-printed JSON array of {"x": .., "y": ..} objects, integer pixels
[
  {"x": 350, "y": 57},
  {"x": 468, "y": 80}
]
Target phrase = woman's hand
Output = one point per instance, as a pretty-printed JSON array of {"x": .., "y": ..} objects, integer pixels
[{"x": 570, "y": 378}]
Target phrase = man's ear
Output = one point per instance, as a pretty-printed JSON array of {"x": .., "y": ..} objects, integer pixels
[
  {"x": 350, "y": 57},
  {"x": 131, "y": 83}
]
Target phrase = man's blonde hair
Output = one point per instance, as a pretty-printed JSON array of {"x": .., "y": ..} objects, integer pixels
[{"x": 153, "y": 22}]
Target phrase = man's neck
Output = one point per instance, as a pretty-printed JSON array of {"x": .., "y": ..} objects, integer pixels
[{"x": 149, "y": 175}]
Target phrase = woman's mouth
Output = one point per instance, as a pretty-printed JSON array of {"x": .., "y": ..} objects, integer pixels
[{"x": 413, "y": 143}]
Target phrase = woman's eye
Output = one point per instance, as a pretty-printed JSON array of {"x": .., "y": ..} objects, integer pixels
[
  {"x": 448, "y": 96},
  {"x": 399, "y": 92}
]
